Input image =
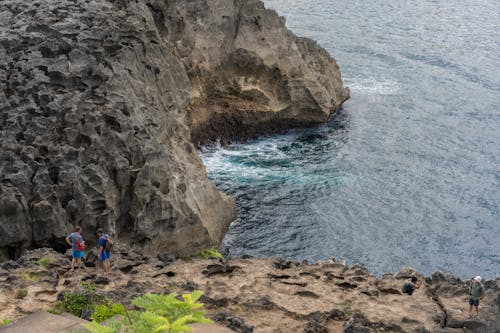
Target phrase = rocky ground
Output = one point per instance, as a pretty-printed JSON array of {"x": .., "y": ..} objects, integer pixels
[{"x": 260, "y": 295}]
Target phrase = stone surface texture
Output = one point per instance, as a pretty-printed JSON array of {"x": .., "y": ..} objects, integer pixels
[
  {"x": 249, "y": 74},
  {"x": 101, "y": 101},
  {"x": 261, "y": 295}
]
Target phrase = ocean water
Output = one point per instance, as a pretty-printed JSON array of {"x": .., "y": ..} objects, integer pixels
[{"x": 408, "y": 172}]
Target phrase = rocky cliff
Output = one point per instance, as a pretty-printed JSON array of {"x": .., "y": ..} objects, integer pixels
[
  {"x": 101, "y": 101},
  {"x": 249, "y": 74}
]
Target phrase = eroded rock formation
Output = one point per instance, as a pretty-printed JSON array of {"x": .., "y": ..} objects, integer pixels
[
  {"x": 92, "y": 125},
  {"x": 261, "y": 295},
  {"x": 249, "y": 74},
  {"x": 97, "y": 117}
]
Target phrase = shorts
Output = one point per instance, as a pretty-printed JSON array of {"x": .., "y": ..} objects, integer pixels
[
  {"x": 473, "y": 301},
  {"x": 105, "y": 255},
  {"x": 77, "y": 254}
]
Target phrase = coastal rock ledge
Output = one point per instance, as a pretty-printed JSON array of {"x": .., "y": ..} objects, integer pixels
[
  {"x": 102, "y": 103},
  {"x": 258, "y": 295}
]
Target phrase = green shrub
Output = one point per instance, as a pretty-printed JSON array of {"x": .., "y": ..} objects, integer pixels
[
  {"x": 210, "y": 253},
  {"x": 75, "y": 303},
  {"x": 78, "y": 302},
  {"x": 44, "y": 262},
  {"x": 104, "y": 311},
  {"x": 21, "y": 293},
  {"x": 160, "y": 313},
  {"x": 89, "y": 286},
  {"x": 5, "y": 322}
]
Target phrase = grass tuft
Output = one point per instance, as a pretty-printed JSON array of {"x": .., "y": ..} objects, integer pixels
[
  {"x": 5, "y": 322},
  {"x": 44, "y": 262},
  {"x": 21, "y": 293}
]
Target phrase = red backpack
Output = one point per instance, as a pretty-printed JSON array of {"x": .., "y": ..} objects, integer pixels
[{"x": 80, "y": 246}]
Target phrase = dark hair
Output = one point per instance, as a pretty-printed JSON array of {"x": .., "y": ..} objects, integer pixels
[
  {"x": 99, "y": 231},
  {"x": 414, "y": 279},
  {"x": 77, "y": 228}
]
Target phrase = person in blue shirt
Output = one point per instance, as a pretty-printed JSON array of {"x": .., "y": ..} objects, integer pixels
[
  {"x": 104, "y": 250},
  {"x": 73, "y": 240}
]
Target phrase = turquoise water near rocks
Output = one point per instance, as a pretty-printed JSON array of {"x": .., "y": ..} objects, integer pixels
[{"x": 408, "y": 172}]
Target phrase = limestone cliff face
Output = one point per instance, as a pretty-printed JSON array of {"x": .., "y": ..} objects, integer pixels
[
  {"x": 92, "y": 131},
  {"x": 97, "y": 116},
  {"x": 249, "y": 74}
]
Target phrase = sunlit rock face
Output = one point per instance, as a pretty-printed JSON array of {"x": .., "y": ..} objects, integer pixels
[{"x": 249, "y": 74}]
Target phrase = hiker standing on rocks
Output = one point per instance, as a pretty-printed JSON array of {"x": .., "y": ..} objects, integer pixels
[
  {"x": 104, "y": 252},
  {"x": 412, "y": 284},
  {"x": 476, "y": 292},
  {"x": 75, "y": 240}
]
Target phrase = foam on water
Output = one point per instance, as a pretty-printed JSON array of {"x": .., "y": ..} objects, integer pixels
[
  {"x": 373, "y": 86},
  {"x": 408, "y": 173}
]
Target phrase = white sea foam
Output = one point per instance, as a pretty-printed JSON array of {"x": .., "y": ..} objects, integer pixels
[
  {"x": 373, "y": 86},
  {"x": 406, "y": 169}
]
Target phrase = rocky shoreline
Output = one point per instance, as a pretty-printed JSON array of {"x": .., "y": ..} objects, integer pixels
[
  {"x": 259, "y": 295},
  {"x": 103, "y": 103}
]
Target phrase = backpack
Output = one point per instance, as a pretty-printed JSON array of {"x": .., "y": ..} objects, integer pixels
[
  {"x": 408, "y": 289},
  {"x": 80, "y": 246},
  {"x": 109, "y": 244}
]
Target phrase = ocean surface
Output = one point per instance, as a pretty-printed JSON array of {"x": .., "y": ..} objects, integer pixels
[{"x": 408, "y": 172}]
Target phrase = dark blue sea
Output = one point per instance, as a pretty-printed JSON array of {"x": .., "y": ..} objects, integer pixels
[{"x": 408, "y": 172}]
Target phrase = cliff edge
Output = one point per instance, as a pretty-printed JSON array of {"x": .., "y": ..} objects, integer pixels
[
  {"x": 101, "y": 102},
  {"x": 258, "y": 295}
]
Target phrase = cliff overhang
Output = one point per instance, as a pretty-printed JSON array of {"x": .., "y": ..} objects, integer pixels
[{"x": 101, "y": 103}]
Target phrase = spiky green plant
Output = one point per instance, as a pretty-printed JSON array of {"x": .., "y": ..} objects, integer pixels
[
  {"x": 170, "y": 307},
  {"x": 161, "y": 314}
]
